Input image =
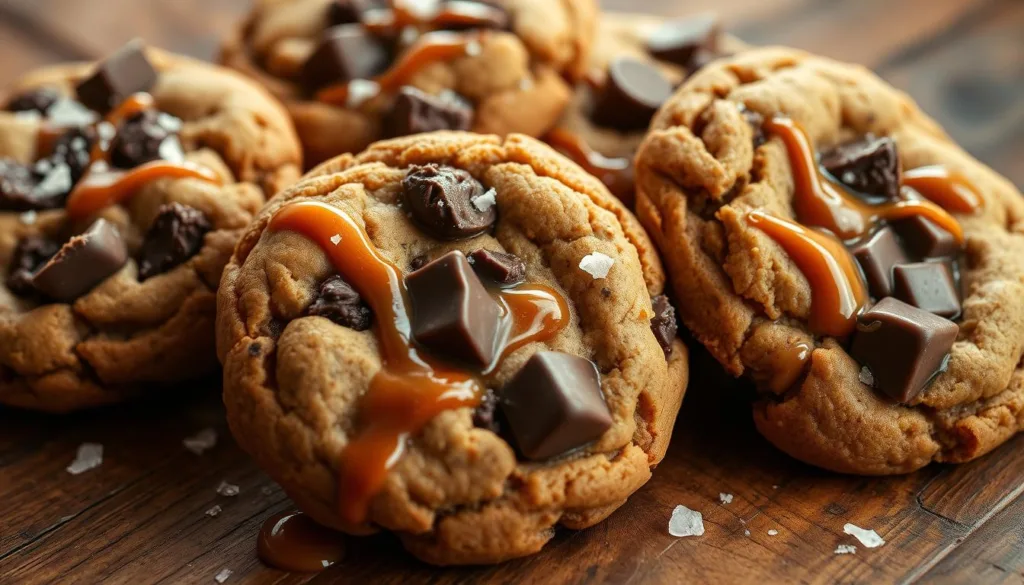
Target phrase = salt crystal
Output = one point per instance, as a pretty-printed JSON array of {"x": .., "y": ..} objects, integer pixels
[
  {"x": 846, "y": 549},
  {"x": 773, "y": 532},
  {"x": 227, "y": 489},
  {"x": 746, "y": 533},
  {"x": 866, "y": 377},
  {"x": 474, "y": 48},
  {"x": 725, "y": 498},
  {"x": 360, "y": 91},
  {"x": 69, "y": 113},
  {"x": 596, "y": 264},
  {"x": 90, "y": 456},
  {"x": 686, "y": 522},
  {"x": 201, "y": 442},
  {"x": 213, "y": 512},
  {"x": 336, "y": 239},
  {"x": 223, "y": 575},
  {"x": 29, "y": 217},
  {"x": 868, "y": 538},
  {"x": 484, "y": 202}
]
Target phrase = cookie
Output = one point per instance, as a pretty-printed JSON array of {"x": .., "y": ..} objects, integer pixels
[
  {"x": 353, "y": 72},
  {"x": 124, "y": 186},
  {"x": 827, "y": 239},
  {"x": 452, "y": 337}
]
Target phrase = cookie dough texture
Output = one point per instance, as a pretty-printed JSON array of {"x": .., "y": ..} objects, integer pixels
[
  {"x": 127, "y": 337},
  {"x": 457, "y": 495},
  {"x": 517, "y": 82},
  {"x": 743, "y": 298}
]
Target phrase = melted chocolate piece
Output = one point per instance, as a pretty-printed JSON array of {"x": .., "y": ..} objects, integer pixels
[
  {"x": 923, "y": 238},
  {"x": 440, "y": 200},
  {"x": 30, "y": 253},
  {"x": 904, "y": 347},
  {"x": 349, "y": 11},
  {"x": 453, "y": 315},
  {"x": 175, "y": 236},
  {"x": 632, "y": 94},
  {"x": 929, "y": 286},
  {"x": 876, "y": 256},
  {"x": 415, "y": 111},
  {"x": 37, "y": 100},
  {"x": 147, "y": 136},
  {"x": 341, "y": 303},
  {"x": 554, "y": 404},
  {"x": 123, "y": 73},
  {"x": 683, "y": 42},
  {"x": 664, "y": 324},
  {"x": 345, "y": 53},
  {"x": 870, "y": 166},
  {"x": 82, "y": 263},
  {"x": 498, "y": 267}
]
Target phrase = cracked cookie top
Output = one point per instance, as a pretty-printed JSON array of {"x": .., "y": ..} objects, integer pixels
[{"x": 452, "y": 337}]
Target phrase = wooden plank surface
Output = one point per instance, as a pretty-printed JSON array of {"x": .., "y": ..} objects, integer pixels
[{"x": 141, "y": 517}]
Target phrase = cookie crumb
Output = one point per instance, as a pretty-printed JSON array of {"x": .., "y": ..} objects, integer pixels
[
  {"x": 686, "y": 522},
  {"x": 486, "y": 201},
  {"x": 725, "y": 498},
  {"x": 846, "y": 549},
  {"x": 223, "y": 575},
  {"x": 336, "y": 239},
  {"x": 866, "y": 377},
  {"x": 868, "y": 538},
  {"x": 89, "y": 456},
  {"x": 213, "y": 512},
  {"x": 28, "y": 218},
  {"x": 201, "y": 442},
  {"x": 773, "y": 532},
  {"x": 227, "y": 489},
  {"x": 596, "y": 264}
]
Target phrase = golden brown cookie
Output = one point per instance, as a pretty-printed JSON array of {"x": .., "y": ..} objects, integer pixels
[
  {"x": 825, "y": 238},
  {"x": 493, "y": 265},
  {"x": 116, "y": 222},
  {"x": 352, "y": 72}
]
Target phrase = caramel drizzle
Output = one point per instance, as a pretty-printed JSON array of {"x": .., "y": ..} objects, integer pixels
[
  {"x": 388, "y": 21},
  {"x": 948, "y": 189},
  {"x": 292, "y": 541},
  {"x": 615, "y": 173},
  {"x": 412, "y": 387}
]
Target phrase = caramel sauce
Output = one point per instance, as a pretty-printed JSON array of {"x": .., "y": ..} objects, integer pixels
[
  {"x": 412, "y": 387},
  {"x": 615, "y": 173},
  {"x": 386, "y": 22},
  {"x": 948, "y": 189},
  {"x": 838, "y": 292},
  {"x": 102, "y": 186},
  {"x": 136, "y": 103},
  {"x": 292, "y": 541},
  {"x": 788, "y": 363}
]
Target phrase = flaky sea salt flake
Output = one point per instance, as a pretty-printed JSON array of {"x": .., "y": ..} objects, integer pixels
[
  {"x": 336, "y": 239},
  {"x": 846, "y": 549},
  {"x": 866, "y": 377},
  {"x": 485, "y": 202},
  {"x": 686, "y": 522},
  {"x": 868, "y": 538},
  {"x": 596, "y": 264},
  {"x": 773, "y": 532},
  {"x": 29, "y": 217},
  {"x": 223, "y": 575},
  {"x": 201, "y": 442},
  {"x": 89, "y": 456},
  {"x": 214, "y": 511},
  {"x": 227, "y": 489},
  {"x": 725, "y": 498}
]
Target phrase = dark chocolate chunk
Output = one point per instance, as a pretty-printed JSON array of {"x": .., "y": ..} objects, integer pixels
[
  {"x": 123, "y": 73},
  {"x": 870, "y": 166},
  {"x": 663, "y": 323},
  {"x": 498, "y": 267},
  {"x": 923, "y": 238},
  {"x": 82, "y": 263},
  {"x": 902, "y": 346},
  {"x": 345, "y": 52},
  {"x": 73, "y": 149},
  {"x": 682, "y": 41},
  {"x": 37, "y": 100},
  {"x": 452, "y": 313},
  {"x": 174, "y": 236},
  {"x": 44, "y": 185},
  {"x": 876, "y": 256},
  {"x": 415, "y": 112},
  {"x": 929, "y": 286},
  {"x": 554, "y": 404},
  {"x": 440, "y": 200},
  {"x": 145, "y": 137},
  {"x": 54, "y": 181},
  {"x": 30, "y": 253},
  {"x": 349, "y": 11},
  {"x": 634, "y": 90},
  {"x": 341, "y": 303},
  {"x": 486, "y": 414}
]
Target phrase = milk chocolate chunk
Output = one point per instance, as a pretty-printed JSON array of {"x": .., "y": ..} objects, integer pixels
[
  {"x": 30, "y": 253},
  {"x": 175, "y": 236},
  {"x": 452, "y": 314},
  {"x": 877, "y": 255},
  {"x": 634, "y": 90},
  {"x": 924, "y": 238},
  {"x": 554, "y": 404},
  {"x": 147, "y": 136},
  {"x": 341, "y": 303},
  {"x": 36, "y": 100},
  {"x": 904, "y": 347},
  {"x": 929, "y": 286},
  {"x": 82, "y": 263},
  {"x": 416, "y": 111},
  {"x": 345, "y": 52},
  {"x": 682, "y": 41},
  {"x": 870, "y": 166},
  {"x": 123, "y": 73},
  {"x": 440, "y": 199},
  {"x": 498, "y": 267},
  {"x": 663, "y": 324}
]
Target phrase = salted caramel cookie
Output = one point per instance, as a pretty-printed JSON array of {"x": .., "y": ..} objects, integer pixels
[
  {"x": 456, "y": 337},
  {"x": 124, "y": 186},
  {"x": 825, "y": 238},
  {"x": 354, "y": 71}
]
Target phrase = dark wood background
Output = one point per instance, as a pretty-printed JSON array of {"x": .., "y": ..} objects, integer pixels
[{"x": 140, "y": 517}]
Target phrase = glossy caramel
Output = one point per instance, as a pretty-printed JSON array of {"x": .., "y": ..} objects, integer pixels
[
  {"x": 947, "y": 189},
  {"x": 615, "y": 173},
  {"x": 292, "y": 541},
  {"x": 103, "y": 186},
  {"x": 430, "y": 15}
]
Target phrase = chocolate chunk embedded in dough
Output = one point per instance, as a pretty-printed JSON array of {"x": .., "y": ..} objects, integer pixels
[
  {"x": 341, "y": 303},
  {"x": 681, "y": 41},
  {"x": 415, "y": 112},
  {"x": 441, "y": 200},
  {"x": 345, "y": 53},
  {"x": 876, "y": 256},
  {"x": 929, "y": 286},
  {"x": 175, "y": 236},
  {"x": 869, "y": 166},
  {"x": 123, "y": 73},
  {"x": 498, "y": 267},
  {"x": 82, "y": 263},
  {"x": 664, "y": 324},
  {"x": 633, "y": 92}
]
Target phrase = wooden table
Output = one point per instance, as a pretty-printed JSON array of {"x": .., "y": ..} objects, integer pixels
[{"x": 141, "y": 517}]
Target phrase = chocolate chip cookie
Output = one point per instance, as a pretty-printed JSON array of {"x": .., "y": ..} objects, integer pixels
[
  {"x": 456, "y": 337},
  {"x": 827, "y": 239},
  {"x": 124, "y": 186},
  {"x": 354, "y": 71}
]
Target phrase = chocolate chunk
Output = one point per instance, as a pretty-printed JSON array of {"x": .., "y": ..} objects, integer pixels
[
  {"x": 486, "y": 414},
  {"x": 54, "y": 181},
  {"x": 440, "y": 200},
  {"x": 30, "y": 253},
  {"x": 349, "y": 11},
  {"x": 877, "y": 255},
  {"x": 682, "y": 41},
  {"x": 341, "y": 303},
  {"x": 453, "y": 315},
  {"x": 44, "y": 185},
  {"x": 929, "y": 286},
  {"x": 419, "y": 262},
  {"x": 923, "y": 238},
  {"x": 123, "y": 73},
  {"x": 633, "y": 92},
  {"x": 554, "y": 404},
  {"x": 82, "y": 263},
  {"x": 73, "y": 149},
  {"x": 902, "y": 346},
  {"x": 345, "y": 53},
  {"x": 174, "y": 236},
  {"x": 498, "y": 267},
  {"x": 145, "y": 137},
  {"x": 415, "y": 111},
  {"x": 663, "y": 324},
  {"x": 37, "y": 100},
  {"x": 870, "y": 166}
]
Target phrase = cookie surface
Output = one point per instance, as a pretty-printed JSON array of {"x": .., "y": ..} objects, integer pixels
[
  {"x": 117, "y": 297},
  {"x": 301, "y": 381},
  {"x": 709, "y": 174},
  {"x": 508, "y": 77}
]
